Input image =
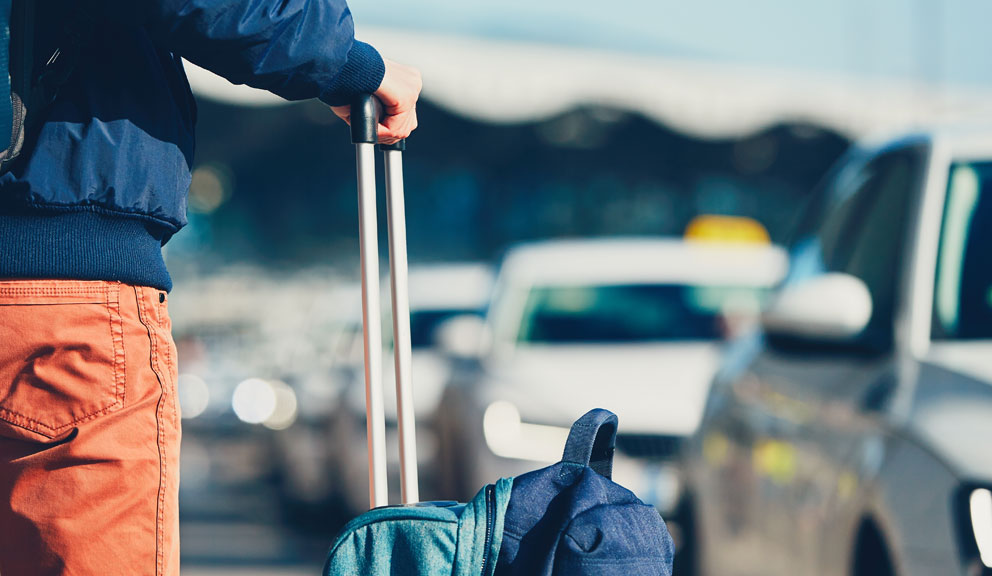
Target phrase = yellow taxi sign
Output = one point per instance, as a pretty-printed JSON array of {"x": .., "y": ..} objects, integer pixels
[{"x": 726, "y": 229}]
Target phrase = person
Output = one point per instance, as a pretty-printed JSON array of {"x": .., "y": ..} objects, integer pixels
[{"x": 89, "y": 420}]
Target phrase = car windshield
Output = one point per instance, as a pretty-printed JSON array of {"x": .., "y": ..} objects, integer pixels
[
  {"x": 963, "y": 291},
  {"x": 626, "y": 313}
]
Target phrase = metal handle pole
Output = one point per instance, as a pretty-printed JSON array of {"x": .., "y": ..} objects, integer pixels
[
  {"x": 363, "y": 132},
  {"x": 396, "y": 219}
]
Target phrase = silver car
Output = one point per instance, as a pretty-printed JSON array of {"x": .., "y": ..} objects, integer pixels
[{"x": 853, "y": 434}]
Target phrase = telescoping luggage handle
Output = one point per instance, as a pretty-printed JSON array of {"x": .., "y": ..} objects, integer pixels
[{"x": 364, "y": 129}]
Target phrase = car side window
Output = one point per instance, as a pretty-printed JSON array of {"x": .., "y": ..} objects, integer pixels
[
  {"x": 963, "y": 289},
  {"x": 865, "y": 233},
  {"x": 858, "y": 226},
  {"x": 844, "y": 214},
  {"x": 827, "y": 214}
]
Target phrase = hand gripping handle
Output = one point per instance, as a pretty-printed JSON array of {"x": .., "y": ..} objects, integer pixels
[{"x": 365, "y": 113}]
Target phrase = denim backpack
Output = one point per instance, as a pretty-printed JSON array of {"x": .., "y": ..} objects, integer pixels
[
  {"x": 572, "y": 519},
  {"x": 568, "y": 518}
]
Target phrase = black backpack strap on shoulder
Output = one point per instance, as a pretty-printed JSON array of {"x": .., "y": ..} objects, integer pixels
[
  {"x": 19, "y": 68},
  {"x": 74, "y": 32},
  {"x": 592, "y": 441},
  {"x": 46, "y": 39}
]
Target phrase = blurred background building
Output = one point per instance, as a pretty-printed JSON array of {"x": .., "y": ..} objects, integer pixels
[
  {"x": 539, "y": 121},
  {"x": 562, "y": 118}
]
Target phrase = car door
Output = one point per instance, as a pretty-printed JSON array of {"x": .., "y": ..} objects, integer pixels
[
  {"x": 784, "y": 416},
  {"x": 829, "y": 398}
]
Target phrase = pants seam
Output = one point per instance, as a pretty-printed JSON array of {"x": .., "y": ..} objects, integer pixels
[
  {"x": 94, "y": 290},
  {"x": 169, "y": 364},
  {"x": 160, "y": 433},
  {"x": 117, "y": 335}
]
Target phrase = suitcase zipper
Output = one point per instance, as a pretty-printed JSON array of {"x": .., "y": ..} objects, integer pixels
[{"x": 490, "y": 526}]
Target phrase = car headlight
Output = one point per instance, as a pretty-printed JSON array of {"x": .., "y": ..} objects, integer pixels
[
  {"x": 270, "y": 403},
  {"x": 507, "y": 436},
  {"x": 980, "y": 507},
  {"x": 253, "y": 401},
  {"x": 194, "y": 395},
  {"x": 975, "y": 521}
]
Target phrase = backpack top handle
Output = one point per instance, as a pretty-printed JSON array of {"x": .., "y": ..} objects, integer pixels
[{"x": 592, "y": 441}]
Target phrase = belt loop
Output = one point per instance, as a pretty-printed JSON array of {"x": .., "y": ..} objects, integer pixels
[{"x": 147, "y": 306}]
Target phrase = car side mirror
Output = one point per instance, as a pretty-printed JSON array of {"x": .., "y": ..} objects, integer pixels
[
  {"x": 831, "y": 308},
  {"x": 464, "y": 337}
]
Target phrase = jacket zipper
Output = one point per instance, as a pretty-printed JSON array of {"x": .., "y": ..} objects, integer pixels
[{"x": 490, "y": 526}]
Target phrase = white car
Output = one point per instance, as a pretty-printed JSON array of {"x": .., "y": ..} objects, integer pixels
[
  {"x": 632, "y": 325},
  {"x": 437, "y": 292}
]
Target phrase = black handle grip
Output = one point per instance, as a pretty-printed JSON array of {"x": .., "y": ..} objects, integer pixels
[
  {"x": 400, "y": 145},
  {"x": 365, "y": 119},
  {"x": 365, "y": 112}
]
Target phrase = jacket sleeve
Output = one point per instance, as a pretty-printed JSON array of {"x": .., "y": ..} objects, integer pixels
[{"x": 298, "y": 49}]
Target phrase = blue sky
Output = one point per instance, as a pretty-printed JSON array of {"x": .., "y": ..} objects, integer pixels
[{"x": 945, "y": 42}]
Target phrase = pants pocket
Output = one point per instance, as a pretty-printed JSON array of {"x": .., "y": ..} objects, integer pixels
[{"x": 61, "y": 358}]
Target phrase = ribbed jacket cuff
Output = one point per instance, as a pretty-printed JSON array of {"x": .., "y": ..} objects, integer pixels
[{"x": 362, "y": 74}]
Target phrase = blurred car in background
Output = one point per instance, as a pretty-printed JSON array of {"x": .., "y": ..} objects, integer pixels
[
  {"x": 223, "y": 457},
  {"x": 632, "y": 325},
  {"x": 851, "y": 436},
  {"x": 239, "y": 339},
  {"x": 328, "y": 350},
  {"x": 437, "y": 292}
]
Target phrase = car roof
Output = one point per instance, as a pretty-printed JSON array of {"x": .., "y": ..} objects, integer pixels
[
  {"x": 431, "y": 287},
  {"x": 643, "y": 260},
  {"x": 454, "y": 286},
  {"x": 971, "y": 140}
]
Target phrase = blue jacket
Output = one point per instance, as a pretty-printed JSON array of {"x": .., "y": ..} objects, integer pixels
[{"x": 102, "y": 185}]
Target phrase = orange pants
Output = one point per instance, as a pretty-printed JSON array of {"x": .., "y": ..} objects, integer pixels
[{"x": 89, "y": 430}]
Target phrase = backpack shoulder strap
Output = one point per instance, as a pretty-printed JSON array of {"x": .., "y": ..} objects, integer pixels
[
  {"x": 69, "y": 34},
  {"x": 592, "y": 441},
  {"x": 42, "y": 56}
]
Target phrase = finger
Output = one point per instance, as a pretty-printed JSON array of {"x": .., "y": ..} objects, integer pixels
[
  {"x": 399, "y": 126},
  {"x": 389, "y": 134},
  {"x": 385, "y": 135},
  {"x": 342, "y": 112},
  {"x": 396, "y": 108}
]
